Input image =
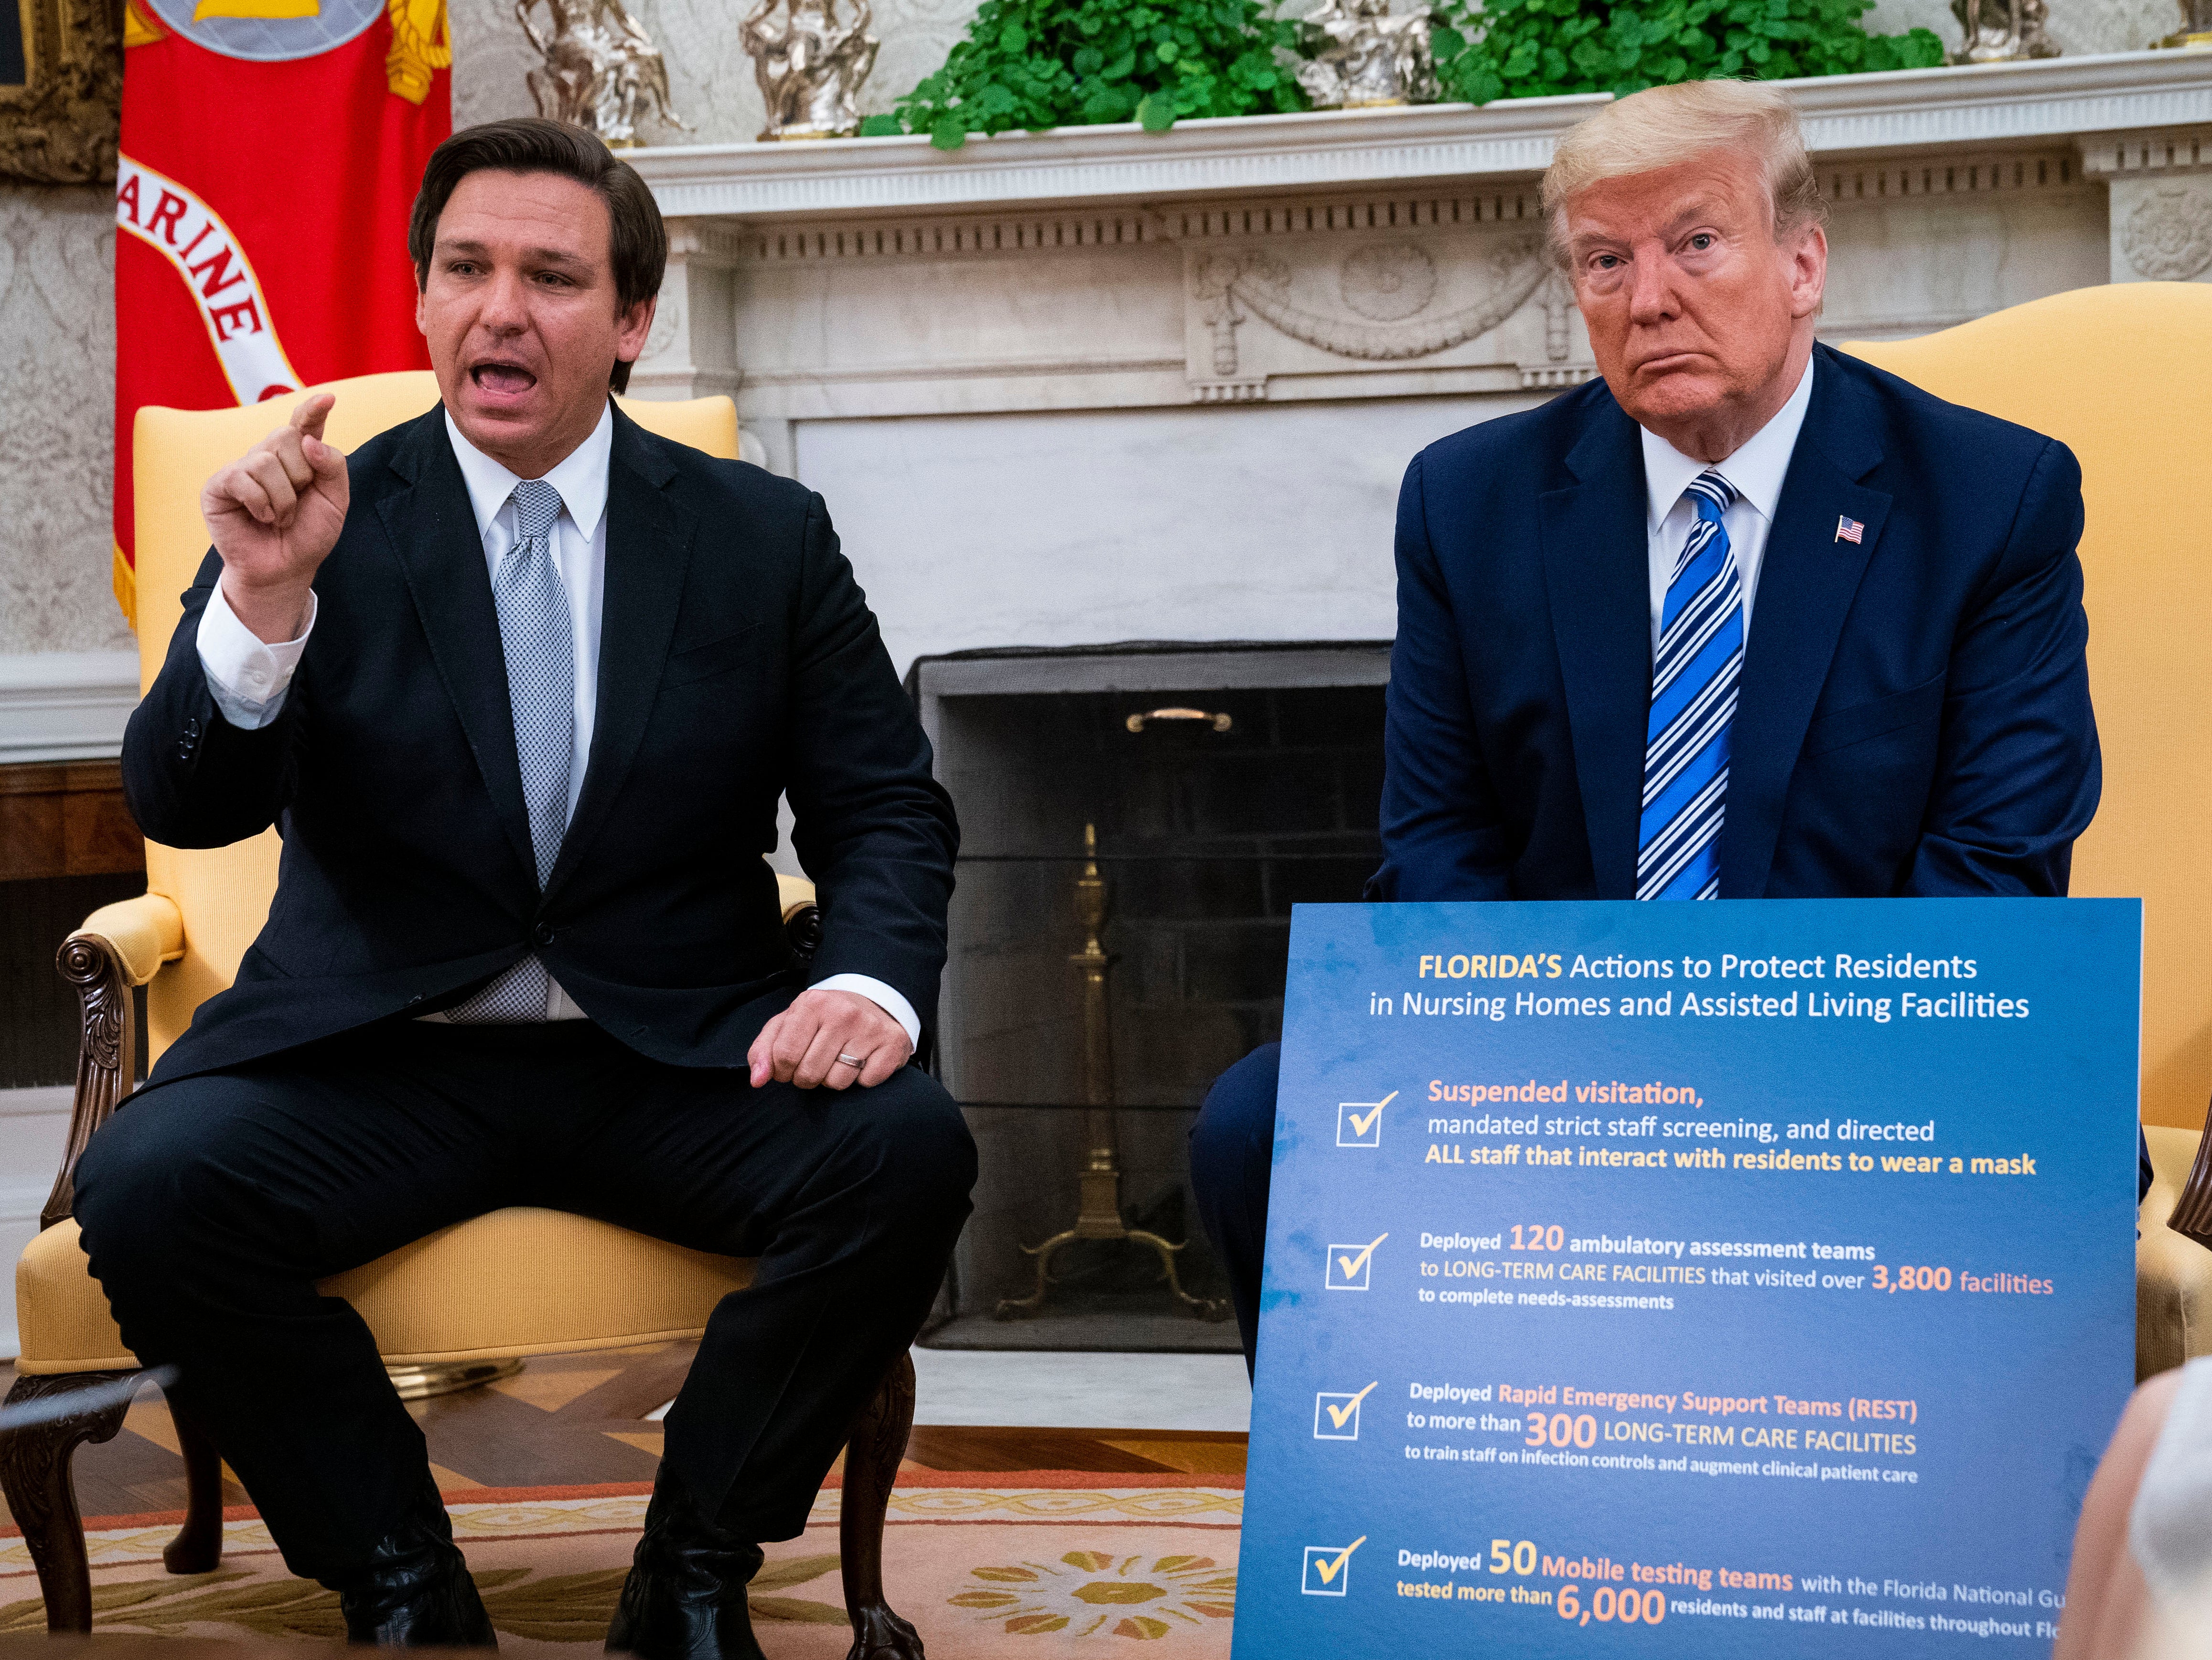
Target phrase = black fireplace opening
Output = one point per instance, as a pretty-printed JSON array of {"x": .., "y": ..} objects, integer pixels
[{"x": 1188, "y": 796}]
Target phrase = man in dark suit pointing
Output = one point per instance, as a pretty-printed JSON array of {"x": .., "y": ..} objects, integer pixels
[
  {"x": 1748, "y": 617},
  {"x": 521, "y": 685}
]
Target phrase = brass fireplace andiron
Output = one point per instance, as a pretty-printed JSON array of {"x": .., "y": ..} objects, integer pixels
[{"x": 1098, "y": 1215}]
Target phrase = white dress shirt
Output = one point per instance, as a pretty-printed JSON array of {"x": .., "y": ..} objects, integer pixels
[
  {"x": 1756, "y": 470},
  {"x": 248, "y": 679}
]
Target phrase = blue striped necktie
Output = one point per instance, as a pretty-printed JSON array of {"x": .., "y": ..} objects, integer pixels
[
  {"x": 534, "y": 638},
  {"x": 1693, "y": 679}
]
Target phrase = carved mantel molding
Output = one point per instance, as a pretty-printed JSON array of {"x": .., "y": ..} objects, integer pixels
[
  {"x": 2161, "y": 202},
  {"x": 1357, "y": 253},
  {"x": 1976, "y": 105}
]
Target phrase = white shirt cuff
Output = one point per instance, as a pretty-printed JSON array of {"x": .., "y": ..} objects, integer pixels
[
  {"x": 881, "y": 995},
  {"x": 247, "y": 675}
]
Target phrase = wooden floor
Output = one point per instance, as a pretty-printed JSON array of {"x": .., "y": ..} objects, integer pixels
[{"x": 581, "y": 1419}]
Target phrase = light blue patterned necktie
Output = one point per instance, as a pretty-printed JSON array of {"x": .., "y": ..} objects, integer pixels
[
  {"x": 535, "y": 637},
  {"x": 1693, "y": 684}
]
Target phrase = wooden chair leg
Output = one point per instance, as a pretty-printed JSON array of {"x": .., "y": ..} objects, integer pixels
[
  {"x": 872, "y": 1461},
  {"x": 198, "y": 1548},
  {"x": 34, "y": 1473}
]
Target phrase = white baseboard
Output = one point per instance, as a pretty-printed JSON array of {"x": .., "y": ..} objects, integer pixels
[
  {"x": 34, "y": 1128},
  {"x": 35, "y": 1103},
  {"x": 65, "y": 705}
]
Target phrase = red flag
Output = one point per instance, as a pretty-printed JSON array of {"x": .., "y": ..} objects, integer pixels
[{"x": 271, "y": 150}]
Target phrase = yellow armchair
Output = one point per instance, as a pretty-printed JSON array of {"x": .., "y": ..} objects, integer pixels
[
  {"x": 2122, "y": 376},
  {"x": 510, "y": 1284}
]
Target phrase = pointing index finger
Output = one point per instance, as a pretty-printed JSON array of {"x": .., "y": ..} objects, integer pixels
[{"x": 310, "y": 415}]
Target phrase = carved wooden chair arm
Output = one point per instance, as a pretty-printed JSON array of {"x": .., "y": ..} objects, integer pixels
[{"x": 120, "y": 946}]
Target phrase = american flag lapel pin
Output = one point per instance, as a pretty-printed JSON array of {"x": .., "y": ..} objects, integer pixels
[{"x": 1849, "y": 530}]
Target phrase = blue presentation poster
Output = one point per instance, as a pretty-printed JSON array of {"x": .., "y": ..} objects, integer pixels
[{"x": 1747, "y": 1278}]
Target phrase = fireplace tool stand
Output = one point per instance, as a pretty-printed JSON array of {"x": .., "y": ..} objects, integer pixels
[{"x": 1098, "y": 1213}]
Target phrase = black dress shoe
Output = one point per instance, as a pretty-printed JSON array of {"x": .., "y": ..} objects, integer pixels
[
  {"x": 685, "y": 1595},
  {"x": 415, "y": 1591}
]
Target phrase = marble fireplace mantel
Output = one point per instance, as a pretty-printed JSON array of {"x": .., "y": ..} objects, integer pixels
[
  {"x": 1916, "y": 111},
  {"x": 1078, "y": 387},
  {"x": 1337, "y": 254}
]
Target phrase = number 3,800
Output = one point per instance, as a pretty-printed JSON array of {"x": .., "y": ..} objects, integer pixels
[
  {"x": 1606, "y": 1603},
  {"x": 1911, "y": 1279}
]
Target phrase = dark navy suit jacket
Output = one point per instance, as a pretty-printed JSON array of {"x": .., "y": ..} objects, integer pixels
[
  {"x": 1914, "y": 710},
  {"x": 738, "y": 660}
]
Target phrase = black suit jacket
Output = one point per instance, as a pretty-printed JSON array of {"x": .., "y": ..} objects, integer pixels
[
  {"x": 1913, "y": 715},
  {"x": 738, "y": 661}
]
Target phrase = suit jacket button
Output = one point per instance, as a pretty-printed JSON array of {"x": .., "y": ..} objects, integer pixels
[
  {"x": 542, "y": 934},
  {"x": 192, "y": 727},
  {"x": 184, "y": 749}
]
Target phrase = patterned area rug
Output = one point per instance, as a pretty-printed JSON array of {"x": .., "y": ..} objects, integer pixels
[{"x": 1035, "y": 1564}]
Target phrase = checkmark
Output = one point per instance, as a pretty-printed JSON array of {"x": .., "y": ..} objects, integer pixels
[
  {"x": 1338, "y": 1414},
  {"x": 1352, "y": 1266},
  {"x": 1361, "y": 1126},
  {"x": 1329, "y": 1570}
]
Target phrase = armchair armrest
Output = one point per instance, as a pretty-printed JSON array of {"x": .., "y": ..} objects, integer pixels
[
  {"x": 795, "y": 892},
  {"x": 120, "y": 946},
  {"x": 802, "y": 917},
  {"x": 142, "y": 932}
]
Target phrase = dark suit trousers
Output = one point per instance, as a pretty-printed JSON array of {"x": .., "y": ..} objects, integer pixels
[
  {"x": 212, "y": 1205},
  {"x": 1232, "y": 1153}
]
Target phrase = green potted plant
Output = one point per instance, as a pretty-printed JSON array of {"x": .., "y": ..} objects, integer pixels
[
  {"x": 1537, "y": 48},
  {"x": 1039, "y": 64},
  {"x": 1036, "y": 63}
]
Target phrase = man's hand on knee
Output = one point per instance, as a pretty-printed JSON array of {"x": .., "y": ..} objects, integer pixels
[{"x": 804, "y": 1043}]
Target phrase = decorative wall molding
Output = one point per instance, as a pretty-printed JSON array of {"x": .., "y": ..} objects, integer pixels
[
  {"x": 1978, "y": 105},
  {"x": 1361, "y": 216},
  {"x": 65, "y": 705},
  {"x": 2168, "y": 237},
  {"x": 1848, "y": 184},
  {"x": 1389, "y": 286},
  {"x": 2160, "y": 185},
  {"x": 994, "y": 368},
  {"x": 2131, "y": 155},
  {"x": 2003, "y": 103},
  {"x": 1336, "y": 254},
  {"x": 1060, "y": 308},
  {"x": 955, "y": 238},
  {"x": 1309, "y": 151}
]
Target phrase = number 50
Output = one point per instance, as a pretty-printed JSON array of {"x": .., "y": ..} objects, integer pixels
[{"x": 1505, "y": 1557}]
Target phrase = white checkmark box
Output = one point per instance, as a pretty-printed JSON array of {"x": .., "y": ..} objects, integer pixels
[
  {"x": 1328, "y": 1568},
  {"x": 1349, "y": 1264},
  {"x": 1359, "y": 1123},
  {"x": 1336, "y": 1414}
]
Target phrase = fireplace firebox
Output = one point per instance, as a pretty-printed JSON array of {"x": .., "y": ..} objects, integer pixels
[{"x": 1136, "y": 822}]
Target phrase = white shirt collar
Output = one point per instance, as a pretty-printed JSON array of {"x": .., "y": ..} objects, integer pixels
[
  {"x": 580, "y": 477},
  {"x": 1757, "y": 469}
]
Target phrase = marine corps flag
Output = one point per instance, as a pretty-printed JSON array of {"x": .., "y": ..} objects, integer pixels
[{"x": 272, "y": 150}]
